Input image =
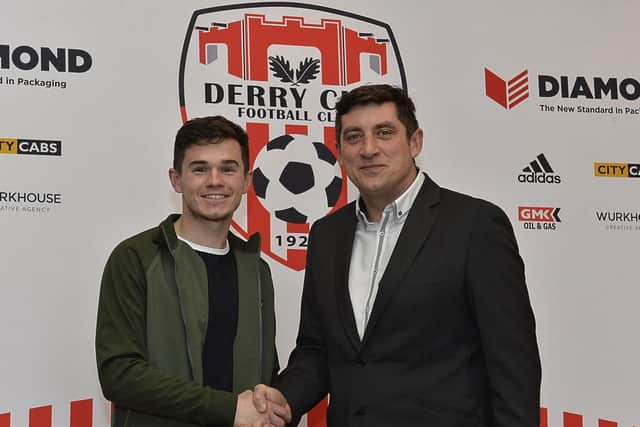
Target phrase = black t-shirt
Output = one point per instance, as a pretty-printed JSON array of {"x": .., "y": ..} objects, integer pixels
[{"x": 217, "y": 354}]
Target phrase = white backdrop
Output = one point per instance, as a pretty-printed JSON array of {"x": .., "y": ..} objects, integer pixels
[{"x": 116, "y": 119}]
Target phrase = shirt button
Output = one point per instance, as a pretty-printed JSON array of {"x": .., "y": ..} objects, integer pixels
[{"x": 381, "y": 233}]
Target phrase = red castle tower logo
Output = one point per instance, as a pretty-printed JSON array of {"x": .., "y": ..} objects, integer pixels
[{"x": 278, "y": 69}]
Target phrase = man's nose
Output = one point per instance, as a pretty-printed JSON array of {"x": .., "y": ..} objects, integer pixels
[
  {"x": 369, "y": 146},
  {"x": 214, "y": 177}
]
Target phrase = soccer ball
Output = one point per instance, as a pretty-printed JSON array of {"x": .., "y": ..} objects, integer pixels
[{"x": 297, "y": 180}]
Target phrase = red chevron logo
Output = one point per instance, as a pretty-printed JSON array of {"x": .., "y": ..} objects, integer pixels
[{"x": 507, "y": 93}]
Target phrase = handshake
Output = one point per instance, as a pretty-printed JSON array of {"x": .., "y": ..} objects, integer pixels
[{"x": 263, "y": 407}]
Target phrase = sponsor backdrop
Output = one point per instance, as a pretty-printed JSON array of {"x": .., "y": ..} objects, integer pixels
[{"x": 534, "y": 108}]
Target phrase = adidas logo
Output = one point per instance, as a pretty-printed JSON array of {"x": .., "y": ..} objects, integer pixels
[{"x": 539, "y": 171}]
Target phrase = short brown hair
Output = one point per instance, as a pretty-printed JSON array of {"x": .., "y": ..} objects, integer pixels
[
  {"x": 378, "y": 94},
  {"x": 209, "y": 130}
]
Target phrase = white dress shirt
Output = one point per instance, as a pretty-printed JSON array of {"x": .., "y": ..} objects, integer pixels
[{"x": 373, "y": 245}]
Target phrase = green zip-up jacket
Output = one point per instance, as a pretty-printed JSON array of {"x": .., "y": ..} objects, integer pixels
[{"x": 152, "y": 323}]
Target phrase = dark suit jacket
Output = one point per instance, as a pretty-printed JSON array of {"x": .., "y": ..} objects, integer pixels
[{"x": 451, "y": 338}]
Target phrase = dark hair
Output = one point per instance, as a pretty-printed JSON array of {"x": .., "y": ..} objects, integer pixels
[
  {"x": 209, "y": 130},
  {"x": 378, "y": 94}
]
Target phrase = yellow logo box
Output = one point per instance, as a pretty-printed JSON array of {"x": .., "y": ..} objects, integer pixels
[
  {"x": 8, "y": 146},
  {"x": 615, "y": 170}
]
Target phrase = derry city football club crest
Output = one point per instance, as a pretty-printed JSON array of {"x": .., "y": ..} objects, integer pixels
[{"x": 278, "y": 69}]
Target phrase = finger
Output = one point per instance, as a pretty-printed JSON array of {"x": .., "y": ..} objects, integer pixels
[
  {"x": 260, "y": 398},
  {"x": 281, "y": 411},
  {"x": 274, "y": 395},
  {"x": 289, "y": 415},
  {"x": 276, "y": 421}
]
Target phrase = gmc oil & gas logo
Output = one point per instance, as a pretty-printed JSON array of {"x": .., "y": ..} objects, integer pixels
[
  {"x": 616, "y": 170},
  {"x": 539, "y": 217},
  {"x": 37, "y": 147},
  {"x": 539, "y": 171},
  {"x": 605, "y": 95},
  {"x": 278, "y": 69}
]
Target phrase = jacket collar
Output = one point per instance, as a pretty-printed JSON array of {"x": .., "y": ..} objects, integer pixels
[
  {"x": 413, "y": 236},
  {"x": 250, "y": 246},
  {"x": 422, "y": 216}
]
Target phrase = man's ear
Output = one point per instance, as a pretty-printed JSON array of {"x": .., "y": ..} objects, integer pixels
[
  {"x": 174, "y": 178},
  {"x": 416, "y": 142},
  {"x": 247, "y": 182}
]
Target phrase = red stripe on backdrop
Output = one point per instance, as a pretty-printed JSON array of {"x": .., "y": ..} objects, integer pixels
[
  {"x": 81, "y": 413},
  {"x": 571, "y": 420},
  {"x": 317, "y": 417},
  {"x": 40, "y": 417},
  {"x": 297, "y": 228},
  {"x": 544, "y": 417},
  {"x": 5, "y": 420},
  {"x": 607, "y": 423},
  {"x": 296, "y": 129}
]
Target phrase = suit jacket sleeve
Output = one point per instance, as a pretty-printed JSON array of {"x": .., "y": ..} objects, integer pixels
[
  {"x": 305, "y": 380},
  {"x": 499, "y": 299}
]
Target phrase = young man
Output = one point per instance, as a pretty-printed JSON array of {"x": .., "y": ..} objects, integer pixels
[
  {"x": 186, "y": 319},
  {"x": 415, "y": 310}
]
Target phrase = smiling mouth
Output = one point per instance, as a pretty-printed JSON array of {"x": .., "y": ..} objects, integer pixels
[
  {"x": 371, "y": 168},
  {"x": 215, "y": 196}
]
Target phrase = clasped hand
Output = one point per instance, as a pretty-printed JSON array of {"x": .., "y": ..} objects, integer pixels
[{"x": 263, "y": 407}]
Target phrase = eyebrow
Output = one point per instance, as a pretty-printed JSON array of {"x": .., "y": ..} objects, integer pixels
[
  {"x": 385, "y": 124},
  {"x": 205, "y": 163}
]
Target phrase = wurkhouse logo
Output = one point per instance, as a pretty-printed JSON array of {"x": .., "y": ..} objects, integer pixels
[
  {"x": 278, "y": 69},
  {"x": 539, "y": 171},
  {"x": 538, "y": 217},
  {"x": 617, "y": 170},
  {"x": 28, "y": 202},
  {"x": 507, "y": 93},
  {"x": 38, "y": 147},
  {"x": 619, "y": 220}
]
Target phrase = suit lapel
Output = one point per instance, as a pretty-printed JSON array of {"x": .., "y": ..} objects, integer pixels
[
  {"x": 416, "y": 229},
  {"x": 345, "y": 234}
]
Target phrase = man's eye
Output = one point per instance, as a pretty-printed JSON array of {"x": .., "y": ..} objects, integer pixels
[
  {"x": 385, "y": 133},
  {"x": 199, "y": 170},
  {"x": 228, "y": 170},
  {"x": 352, "y": 137}
]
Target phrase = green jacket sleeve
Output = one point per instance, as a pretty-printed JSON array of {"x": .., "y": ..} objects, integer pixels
[{"x": 126, "y": 376}]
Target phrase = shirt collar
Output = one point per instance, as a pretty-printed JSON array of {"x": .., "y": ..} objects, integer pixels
[
  {"x": 398, "y": 209},
  {"x": 206, "y": 249}
]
